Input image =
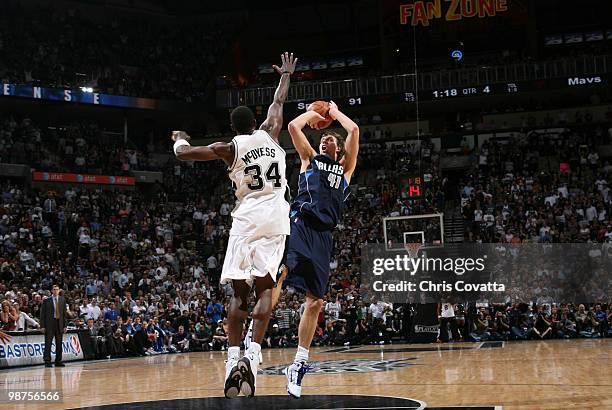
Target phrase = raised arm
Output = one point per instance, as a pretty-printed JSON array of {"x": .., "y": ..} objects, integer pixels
[
  {"x": 185, "y": 152},
  {"x": 351, "y": 146},
  {"x": 274, "y": 120},
  {"x": 300, "y": 142}
]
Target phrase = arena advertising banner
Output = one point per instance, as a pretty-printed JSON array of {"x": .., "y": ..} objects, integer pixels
[
  {"x": 493, "y": 273},
  {"x": 76, "y": 96},
  {"x": 82, "y": 178},
  {"x": 27, "y": 349},
  {"x": 425, "y": 326},
  {"x": 423, "y": 12}
]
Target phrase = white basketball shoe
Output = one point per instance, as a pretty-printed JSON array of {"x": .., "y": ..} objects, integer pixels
[{"x": 295, "y": 373}]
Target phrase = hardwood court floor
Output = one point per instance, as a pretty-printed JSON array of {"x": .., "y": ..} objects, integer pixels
[{"x": 516, "y": 375}]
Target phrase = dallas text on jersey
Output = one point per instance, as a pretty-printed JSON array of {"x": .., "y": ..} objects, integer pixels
[{"x": 335, "y": 168}]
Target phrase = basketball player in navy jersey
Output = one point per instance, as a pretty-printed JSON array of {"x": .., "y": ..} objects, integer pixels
[{"x": 323, "y": 188}]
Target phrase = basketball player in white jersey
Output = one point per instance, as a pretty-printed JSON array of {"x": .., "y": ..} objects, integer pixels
[
  {"x": 260, "y": 223},
  {"x": 446, "y": 316}
]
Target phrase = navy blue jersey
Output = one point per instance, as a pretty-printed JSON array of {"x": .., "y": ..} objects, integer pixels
[{"x": 322, "y": 191}]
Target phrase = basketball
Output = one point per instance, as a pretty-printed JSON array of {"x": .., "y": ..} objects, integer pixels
[{"x": 322, "y": 108}]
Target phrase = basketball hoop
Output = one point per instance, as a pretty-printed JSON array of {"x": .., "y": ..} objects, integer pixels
[{"x": 413, "y": 248}]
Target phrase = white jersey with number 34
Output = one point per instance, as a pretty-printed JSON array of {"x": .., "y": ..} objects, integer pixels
[{"x": 258, "y": 173}]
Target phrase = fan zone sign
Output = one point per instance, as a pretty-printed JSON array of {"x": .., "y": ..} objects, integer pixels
[{"x": 422, "y": 12}]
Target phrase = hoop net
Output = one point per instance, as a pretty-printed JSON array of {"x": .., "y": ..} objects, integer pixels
[{"x": 413, "y": 248}]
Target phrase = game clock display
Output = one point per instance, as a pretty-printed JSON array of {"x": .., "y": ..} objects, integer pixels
[
  {"x": 483, "y": 90},
  {"x": 456, "y": 92}
]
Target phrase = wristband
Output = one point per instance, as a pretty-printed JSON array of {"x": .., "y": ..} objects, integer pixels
[
  {"x": 178, "y": 143},
  {"x": 286, "y": 72}
]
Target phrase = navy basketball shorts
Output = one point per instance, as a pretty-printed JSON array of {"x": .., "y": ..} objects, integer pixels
[{"x": 308, "y": 256}]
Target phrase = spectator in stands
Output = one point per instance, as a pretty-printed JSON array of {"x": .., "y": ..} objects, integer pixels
[
  {"x": 332, "y": 310},
  {"x": 202, "y": 338},
  {"x": 181, "y": 340},
  {"x": 220, "y": 336},
  {"x": 23, "y": 319},
  {"x": 93, "y": 338},
  {"x": 215, "y": 311},
  {"x": 284, "y": 317},
  {"x": 567, "y": 328},
  {"x": 601, "y": 316},
  {"x": 483, "y": 327},
  {"x": 8, "y": 316}
]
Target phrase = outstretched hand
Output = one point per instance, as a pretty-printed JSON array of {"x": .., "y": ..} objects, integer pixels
[
  {"x": 333, "y": 110},
  {"x": 288, "y": 64},
  {"x": 180, "y": 135}
]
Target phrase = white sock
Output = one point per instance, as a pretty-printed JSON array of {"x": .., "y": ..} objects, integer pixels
[
  {"x": 301, "y": 355},
  {"x": 249, "y": 336},
  {"x": 233, "y": 353},
  {"x": 254, "y": 350}
]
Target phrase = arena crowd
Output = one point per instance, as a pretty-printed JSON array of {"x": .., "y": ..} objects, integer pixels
[{"x": 114, "y": 55}]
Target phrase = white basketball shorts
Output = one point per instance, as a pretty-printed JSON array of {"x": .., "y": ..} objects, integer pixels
[{"x": 248, "y": 257}]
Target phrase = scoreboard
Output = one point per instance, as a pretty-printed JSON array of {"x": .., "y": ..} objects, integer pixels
[{"x": 409, "y": 96}]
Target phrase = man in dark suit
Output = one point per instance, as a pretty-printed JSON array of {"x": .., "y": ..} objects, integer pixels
[
  {"x": 52, "y": 322},
  {"x": 93, "y": 332}
]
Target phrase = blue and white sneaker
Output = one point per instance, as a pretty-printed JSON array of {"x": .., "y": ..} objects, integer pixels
[{"x": 295, "y": 373}]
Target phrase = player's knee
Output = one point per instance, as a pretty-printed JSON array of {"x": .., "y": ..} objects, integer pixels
[
  {"x": 313, "y": 304},
  {"x": 240, "y": 302},
  {"x": 259, "y": 314}
]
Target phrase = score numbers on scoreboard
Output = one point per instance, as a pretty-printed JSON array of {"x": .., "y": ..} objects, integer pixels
[{"x": 342, "y": 102}]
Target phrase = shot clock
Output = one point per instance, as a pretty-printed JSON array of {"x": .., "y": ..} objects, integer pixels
[{"x": 412, "y": 186}]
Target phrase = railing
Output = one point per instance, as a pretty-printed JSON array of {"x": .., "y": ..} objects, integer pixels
[{"x": 426, "y": 80}]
